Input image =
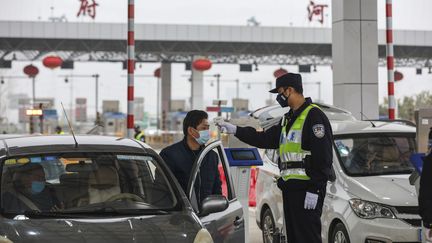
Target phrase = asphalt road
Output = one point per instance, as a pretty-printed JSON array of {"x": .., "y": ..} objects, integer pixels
[{"x": 254, "y": 232}]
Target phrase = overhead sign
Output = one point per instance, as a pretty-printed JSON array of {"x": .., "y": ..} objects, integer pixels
[
  {"x": 213, "y": 109},
  {"x": 51, "y": 113},
  {"x": 227, "y": 109},
  {"x": 316, "y": 10},
  {"x": 34, "y": 112},
  {"x": 219, "y": 102},
  {"x": 87, "y": 7},
  {"x": 219, "y": 109}
]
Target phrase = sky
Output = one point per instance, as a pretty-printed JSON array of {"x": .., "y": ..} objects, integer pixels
[{"x": 412, "y": 14}]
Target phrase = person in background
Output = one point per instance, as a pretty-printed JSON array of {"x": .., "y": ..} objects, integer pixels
[
  {"x": 425, "y": 197},
  {"x": 59, "y": 130},
  {"x": 139, "y": 134}
]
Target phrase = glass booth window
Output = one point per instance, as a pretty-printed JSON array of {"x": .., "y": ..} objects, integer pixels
[{"x": 84, "y": 183}]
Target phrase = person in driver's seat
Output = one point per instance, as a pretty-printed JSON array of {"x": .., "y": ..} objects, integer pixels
[
  {"x": 361, "y": 159},
  {"x": 103, "y": 184},
  {"x": 30, "y": 191}
]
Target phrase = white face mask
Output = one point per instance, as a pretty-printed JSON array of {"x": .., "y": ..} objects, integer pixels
[{"x": 204, "y": 137}]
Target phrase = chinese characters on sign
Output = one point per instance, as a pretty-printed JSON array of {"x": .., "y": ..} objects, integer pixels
[
  {"x": 316, "y": 10},
  {"x": 87, "y": 8}
]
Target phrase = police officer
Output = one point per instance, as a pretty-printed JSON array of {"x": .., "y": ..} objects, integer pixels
[
  {"x": 139, "y": 134},
  {"x": 59, "y": 130},
  {"x": 425, "y": 197},
  {"x": 304, "y": 140}
]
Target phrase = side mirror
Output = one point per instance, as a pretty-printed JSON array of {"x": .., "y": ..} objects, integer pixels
[{"x": 213, "y": 204}]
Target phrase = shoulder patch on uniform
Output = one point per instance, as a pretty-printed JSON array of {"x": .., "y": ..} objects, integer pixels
[{"x": 318, "y": 130}]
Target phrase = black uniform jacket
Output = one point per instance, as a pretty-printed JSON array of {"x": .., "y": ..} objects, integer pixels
[
  {"x": 180, "y": 159},
  {"x": 425, "y": 196},
  {"x": 320, "y": 167}
]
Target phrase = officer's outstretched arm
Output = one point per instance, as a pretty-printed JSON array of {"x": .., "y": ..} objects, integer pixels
[{"x": 268, "y": 139}]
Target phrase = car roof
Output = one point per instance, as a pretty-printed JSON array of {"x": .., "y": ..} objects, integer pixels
[
  {"x": 342, "y": 121},
  {"x": 23, "y": 145},
  {"x": 366, "y": 127},
  {"x": 267, "y": 115}
]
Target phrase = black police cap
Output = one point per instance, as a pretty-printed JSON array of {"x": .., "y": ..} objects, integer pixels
[{"x": 288, "y": 80}]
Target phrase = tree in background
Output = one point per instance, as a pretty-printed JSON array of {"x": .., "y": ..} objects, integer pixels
[{"x": 408, "y": 105}]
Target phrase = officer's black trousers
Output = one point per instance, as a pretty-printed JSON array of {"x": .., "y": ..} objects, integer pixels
[{"x": 302, "y": 225}]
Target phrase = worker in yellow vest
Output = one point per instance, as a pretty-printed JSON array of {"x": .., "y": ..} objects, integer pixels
[
  {"x": 304, "y": 141},
  {"x": 59, "y": 130},
  {"x": 139, "y": 134}
]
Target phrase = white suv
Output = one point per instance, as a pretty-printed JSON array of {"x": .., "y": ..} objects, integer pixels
[{"x": 371, "y": 199}]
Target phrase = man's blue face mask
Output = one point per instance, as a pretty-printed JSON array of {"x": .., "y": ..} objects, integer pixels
[
  {"x": 37, "y": 187},
  {"x": 204, "y": 137}
]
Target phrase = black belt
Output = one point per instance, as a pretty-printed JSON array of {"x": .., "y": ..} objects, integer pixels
[{"x": 292, "y": 165}]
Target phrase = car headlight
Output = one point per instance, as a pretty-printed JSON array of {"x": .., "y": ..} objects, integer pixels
[
  {"x": 370, "y": 210},
  {"x": 203, "y": 236}
]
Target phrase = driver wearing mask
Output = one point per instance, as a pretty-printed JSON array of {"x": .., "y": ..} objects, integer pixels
[
  {"x": 180, "y": 157},
  {"x": 30, "y": 191}
]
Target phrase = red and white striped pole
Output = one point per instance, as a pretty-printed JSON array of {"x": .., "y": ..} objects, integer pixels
[
  {"x": 390, "y": 61},
  {"x": 130, "y": 69}
]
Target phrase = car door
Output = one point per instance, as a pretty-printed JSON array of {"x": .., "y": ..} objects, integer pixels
[
  {"x": 270, "y": 193},
  {"x": 228, "y": 225}
]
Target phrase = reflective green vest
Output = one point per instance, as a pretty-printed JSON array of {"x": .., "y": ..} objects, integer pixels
[
  {"x": 140, "y": 136},
  {"x": 291, "y": 153}
]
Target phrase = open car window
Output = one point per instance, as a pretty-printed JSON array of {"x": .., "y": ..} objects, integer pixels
[
  {"x": 210, "y": 176},
  {"x": 85, "y": 182},
  {"x": 375, "y": 154}
]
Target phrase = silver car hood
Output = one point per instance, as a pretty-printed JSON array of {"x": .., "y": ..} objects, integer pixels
[{"x": 394, "y": 190}]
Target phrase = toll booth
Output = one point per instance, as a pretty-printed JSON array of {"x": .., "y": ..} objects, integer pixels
[
  {"x": 114, "y": 124},
  {"x": 424, "y": 125},
  {"x": 241, "y": 160}
]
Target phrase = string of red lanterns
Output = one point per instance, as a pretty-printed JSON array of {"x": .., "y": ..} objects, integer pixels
[
  {"x": 202, "y": 64},
  {"x": 52, "y": 62},
  {"x": 31, "y": 70},
  {"x": 279, "y": 72}
]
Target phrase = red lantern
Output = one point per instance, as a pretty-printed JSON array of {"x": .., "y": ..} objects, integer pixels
[
  {"x": 398, "y": 76},
  {"x": 31, "y": 70},
  {"x": 279, "y": 72},
  {"x": 202, "y": 64},
  {"x": 157, "y": 73},
  {"x": 52, "y": 62}
]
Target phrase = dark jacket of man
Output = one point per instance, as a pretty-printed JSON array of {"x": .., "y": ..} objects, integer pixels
[
  {"x": 320, "y": 167},
  {"x": 425, "y": 196},
  {"x": 180, "y": 159}
]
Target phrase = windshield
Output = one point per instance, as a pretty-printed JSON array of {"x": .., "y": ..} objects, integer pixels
[
  {"x": 84, "y": 182},
  {"x": 375, "y": 154}
]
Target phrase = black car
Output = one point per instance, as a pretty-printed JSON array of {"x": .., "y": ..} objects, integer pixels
[{"x": 106, "y": 189}]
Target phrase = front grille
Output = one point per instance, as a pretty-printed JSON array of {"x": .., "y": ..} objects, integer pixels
[
  {"x": 408, "y": 210},
  {"x": 413, "y": 222}
]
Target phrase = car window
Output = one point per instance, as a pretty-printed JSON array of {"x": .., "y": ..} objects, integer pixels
[
  {"x": 375, "y": 154},
  {"x": 211, "y": 179},
  {"x": 84, "y": 182}
]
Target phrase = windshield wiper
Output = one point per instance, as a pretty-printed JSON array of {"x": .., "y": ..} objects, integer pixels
[
  {"x": 115, "y": 211},
  {"x": 43, "y": 214}
]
